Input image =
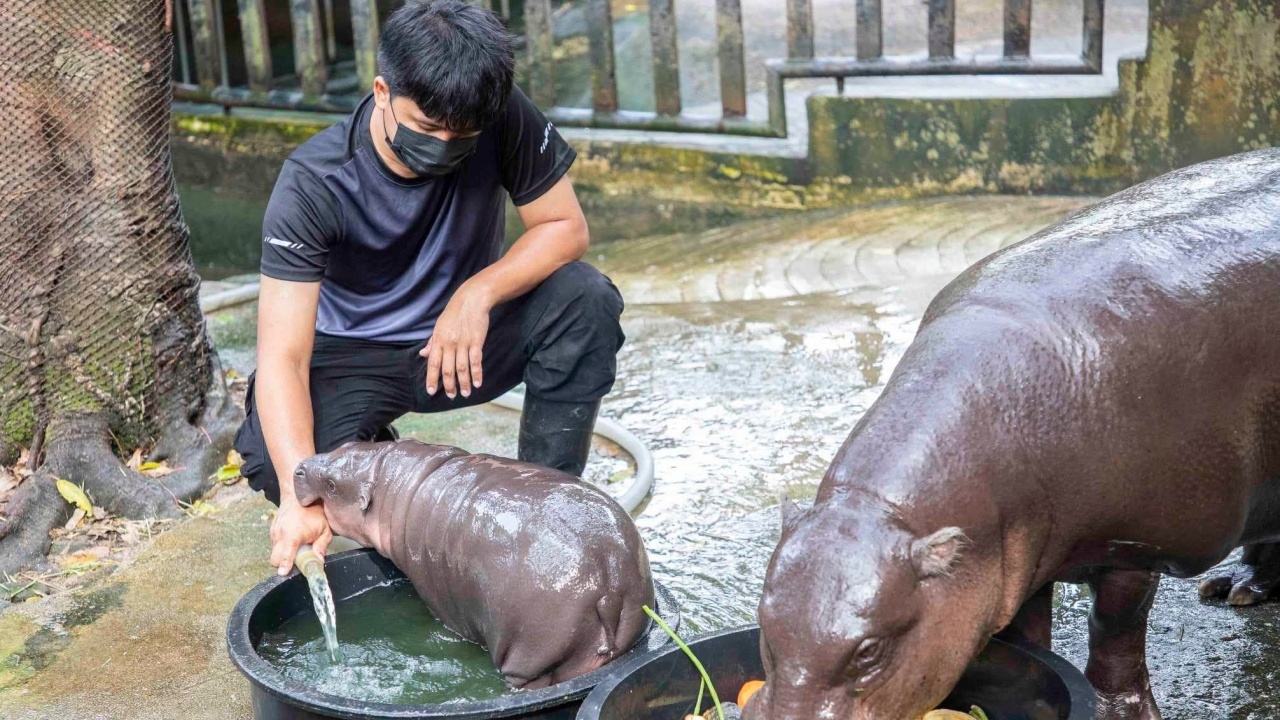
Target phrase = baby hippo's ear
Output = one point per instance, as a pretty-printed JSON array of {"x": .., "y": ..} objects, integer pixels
[
  {"x": 937, "y": 554},
  {"x": 365, "y": 496}
]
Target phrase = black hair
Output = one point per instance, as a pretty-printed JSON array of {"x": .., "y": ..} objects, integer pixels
[{"x": 455, "y": 61}]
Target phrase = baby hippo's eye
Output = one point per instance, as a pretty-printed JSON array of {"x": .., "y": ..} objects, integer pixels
[{"x": 333, "y": 486}]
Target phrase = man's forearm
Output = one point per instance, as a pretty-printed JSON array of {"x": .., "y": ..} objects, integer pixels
[
  {"x": 284, "y": 404},
  {"x": 541, "y": 251}
]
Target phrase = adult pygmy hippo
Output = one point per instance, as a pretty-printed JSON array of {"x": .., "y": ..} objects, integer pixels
[
  {"x": 1099, "y": 403},
  {"x": 546, "y": 572}
]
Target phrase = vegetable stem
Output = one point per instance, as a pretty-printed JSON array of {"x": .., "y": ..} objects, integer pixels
[{"x": 706, "y": 679}]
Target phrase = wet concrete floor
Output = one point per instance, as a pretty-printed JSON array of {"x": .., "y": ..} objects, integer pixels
[{"x": 752, "y": 350}]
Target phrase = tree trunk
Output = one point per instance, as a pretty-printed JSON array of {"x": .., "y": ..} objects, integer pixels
[{"x": 102, "y": 345}]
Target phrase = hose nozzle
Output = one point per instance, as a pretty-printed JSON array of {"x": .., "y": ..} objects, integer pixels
[{"x": 308, "y": 562}]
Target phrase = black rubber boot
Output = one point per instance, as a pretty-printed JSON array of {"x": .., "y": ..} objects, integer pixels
[
  {"x": 557, "y": 435},
  {"x": 386, "y": 434}
]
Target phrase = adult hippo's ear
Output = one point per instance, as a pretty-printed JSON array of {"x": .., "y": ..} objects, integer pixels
[
  {"x": 937, "y": 554},
  {"x": 790, "y": 511}
]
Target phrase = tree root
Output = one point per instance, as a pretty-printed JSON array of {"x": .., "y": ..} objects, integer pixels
[
  {"x": 198, "y": 446},
  {"x": 79, "y": 450},
  {"x": 34, "y": 510}
]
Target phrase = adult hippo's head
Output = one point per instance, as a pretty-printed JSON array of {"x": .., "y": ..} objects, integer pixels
[{"x": 863, "y": 619}]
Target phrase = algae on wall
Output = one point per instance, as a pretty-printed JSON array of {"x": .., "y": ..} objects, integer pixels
[{"x": 1209, "y": 87}]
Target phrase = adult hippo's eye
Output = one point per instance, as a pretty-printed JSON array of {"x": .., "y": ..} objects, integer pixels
[{"x": 866, "y": 658}]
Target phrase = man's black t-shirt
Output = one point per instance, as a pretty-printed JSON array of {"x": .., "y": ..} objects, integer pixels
[{"x": 390, "y": 252}]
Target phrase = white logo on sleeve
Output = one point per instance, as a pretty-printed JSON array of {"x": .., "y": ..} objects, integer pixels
[
  {"x": 546, "y": 138},
  {"x": 282, "y": 243}
]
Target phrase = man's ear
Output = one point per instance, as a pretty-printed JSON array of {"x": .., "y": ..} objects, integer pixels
[
  {"x": 302, "y": 487},
  {"x": 938, "y": 554}
]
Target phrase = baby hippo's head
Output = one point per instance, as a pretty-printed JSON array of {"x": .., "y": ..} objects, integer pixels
[
  {"x": 343, "y": 480},
  {"x": 863, "y": 619}
]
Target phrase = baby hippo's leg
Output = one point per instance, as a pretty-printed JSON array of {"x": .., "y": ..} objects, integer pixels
[
  {"x": 1254, "y": 579},
  {"x": 1118, "y": 644}
]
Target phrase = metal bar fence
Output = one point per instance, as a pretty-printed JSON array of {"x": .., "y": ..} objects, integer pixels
[{"x": 313, "y": 40}]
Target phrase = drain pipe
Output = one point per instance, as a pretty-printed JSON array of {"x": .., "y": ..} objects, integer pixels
[{"x": 609, "y": 429}]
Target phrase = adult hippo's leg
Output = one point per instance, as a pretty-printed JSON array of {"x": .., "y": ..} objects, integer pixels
[
  {"x": 1254, "y": 579},
  {"x": 1034, "y": 622},
  {"x": 1118, "y": 644}
]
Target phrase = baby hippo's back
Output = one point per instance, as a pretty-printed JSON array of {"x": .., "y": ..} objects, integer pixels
[{"x": 546, "y": 571}]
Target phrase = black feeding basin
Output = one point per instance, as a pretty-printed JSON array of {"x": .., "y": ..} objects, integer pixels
[
  {"x": 270, "y": 603},
  {"x": 1009, "y": 682}
]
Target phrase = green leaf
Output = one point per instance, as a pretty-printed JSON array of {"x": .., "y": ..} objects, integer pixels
[
  {"x": 75, "y": 495},
  {"x": 148, "y": 466},
  {"x": 228, "y": 473},
  {"x": 978, "y": 713}
]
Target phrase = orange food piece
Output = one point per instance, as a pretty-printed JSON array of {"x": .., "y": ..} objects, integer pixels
[{"x": 749, "y": 688}]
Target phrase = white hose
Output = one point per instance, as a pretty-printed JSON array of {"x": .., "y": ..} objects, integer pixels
[
  {"x": 611, "y": 430},
  {"x": 636, "y": 491},
  {"x": 227, "y": 298}
]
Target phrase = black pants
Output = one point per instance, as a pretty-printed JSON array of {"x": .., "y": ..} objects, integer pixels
[{"x": 561, "y": 339}]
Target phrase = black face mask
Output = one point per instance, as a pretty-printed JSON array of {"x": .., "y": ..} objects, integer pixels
[{"x": 428, "y": 156}]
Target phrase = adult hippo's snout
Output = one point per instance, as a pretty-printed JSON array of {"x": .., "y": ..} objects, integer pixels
[
  {"x": 859, "y": 650},
  {"x": 546, "y": 572}
]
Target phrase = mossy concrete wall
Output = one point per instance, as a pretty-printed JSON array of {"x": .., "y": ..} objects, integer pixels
[{"x": 1209, "y": 87}]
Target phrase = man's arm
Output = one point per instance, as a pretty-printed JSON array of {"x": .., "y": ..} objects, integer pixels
[
  {"x": 286, "y": 333},
  {"x": 555, "y": 235}
]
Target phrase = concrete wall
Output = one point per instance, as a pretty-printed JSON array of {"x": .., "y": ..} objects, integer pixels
[
  {"x": 1210, "y": 86},
  {"x": 227, "y": 166}
]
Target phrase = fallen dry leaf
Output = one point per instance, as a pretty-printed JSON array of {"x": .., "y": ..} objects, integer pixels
[
  {"x": 135, "y": 461},
  {"x": 227, "y": 474},
  {"x": 131, "y": 536},
  {"x": 74, "y": 522},
  {"x": 8, "y": 480},
  {"x": 20, "y": 468},
  {"x": 85, "y": 559},
  {"x": 75, "y": 495},
  {"x": 200, "y": 507},
  {"x": 156, "y": 469}
]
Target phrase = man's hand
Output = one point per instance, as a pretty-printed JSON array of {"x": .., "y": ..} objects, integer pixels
[
  {"x": 295, "y": 526},
  {"x": 456, "y": 348}
]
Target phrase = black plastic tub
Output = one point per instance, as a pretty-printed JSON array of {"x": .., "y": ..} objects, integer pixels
[
  {"x": 1009, "y": 682},
  {"x": 273, "y": 601}
]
